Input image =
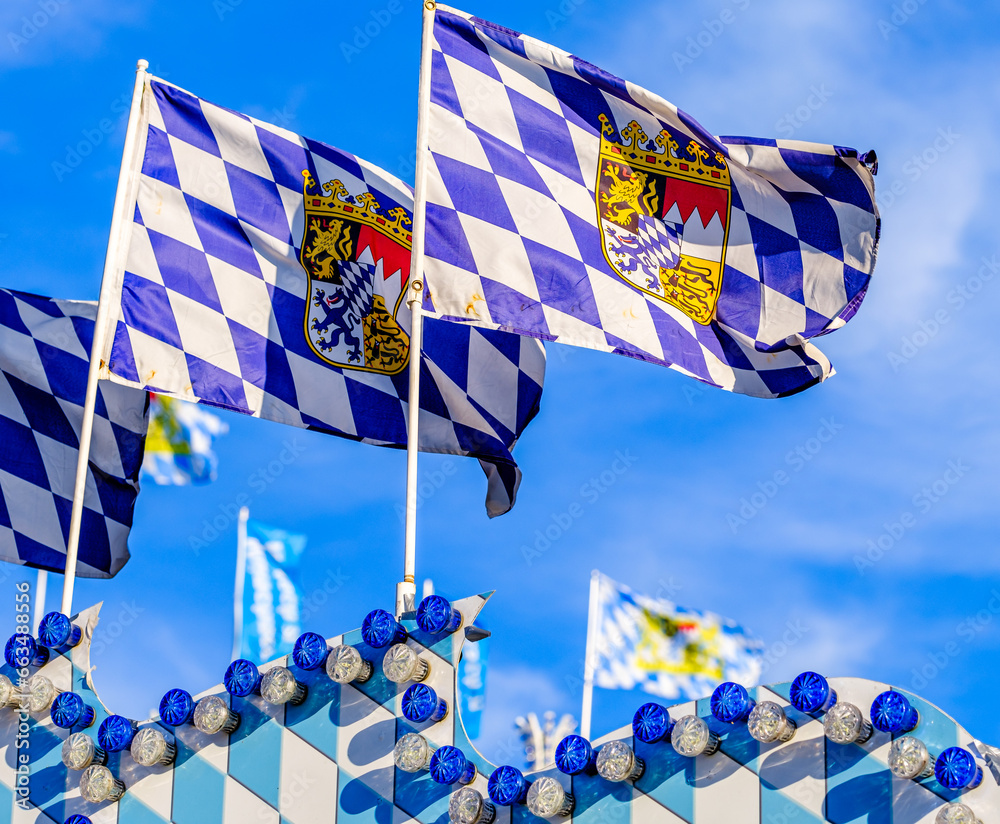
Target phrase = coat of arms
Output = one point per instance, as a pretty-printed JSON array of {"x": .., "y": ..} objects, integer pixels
[
  {"x": 357, "y": 257},
  {"x": 664, "y": 215}
]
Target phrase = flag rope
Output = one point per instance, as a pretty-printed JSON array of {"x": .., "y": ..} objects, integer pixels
[
  {"x": 117, "y": 243},
  {"x": 406, "y": 590}
]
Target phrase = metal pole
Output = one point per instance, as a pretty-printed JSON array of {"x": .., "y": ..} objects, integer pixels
[
  {"x": 406, "y": 590},
  {"x": 588, "y": 663},
  {"x": 124, "y": 197}
]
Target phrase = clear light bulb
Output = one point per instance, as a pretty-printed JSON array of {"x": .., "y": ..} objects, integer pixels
[
  {"x": 908, "y": 758},
  {"x": 212, "y": 715},
  {"x": 617, "y": 762},
  {"x": 402, "y": 664},
  {"x": 41, "y": 693},
  {"x": 345, "y": 665},
  {"x": 692, "y": 737},
  {"x": 768, "y": 723},
  {"x": 151, "y": 748},
  {"x": 97, "y": 784},
  {"x": 845, "y": 724},
  {"x": 412, "y": 753},
  {"x": 548, "y": 798},
  {"x": 467, "y": 806},
  {"x": 79, "y": 751},
  {"x": 280, "y": 687}
]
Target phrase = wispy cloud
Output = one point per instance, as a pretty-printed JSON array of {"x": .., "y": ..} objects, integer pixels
[{"x": 37, "y": 32}]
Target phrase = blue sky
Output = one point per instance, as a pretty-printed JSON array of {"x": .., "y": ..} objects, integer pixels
[{"x": 909, "y": 448}]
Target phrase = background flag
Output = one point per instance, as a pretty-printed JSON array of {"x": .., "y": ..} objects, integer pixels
[
  {"x": 667, "y": 650},
  {"x": 472, "y": 683},
  {"x": 44, "y": 357},
  {"x": 179, "y": 443},
  {"x": 266, "y": 274},
  {"x": 268, "y": 592},
  {"x": 570, "y": 205}
]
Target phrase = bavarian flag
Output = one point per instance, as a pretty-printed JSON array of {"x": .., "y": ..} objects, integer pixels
[
  {"x": 573, "y": 206},
  {"x": 179, "y": 443},
  {"x": 650, "y": 643},
  {"x": 266, "y": 273}
]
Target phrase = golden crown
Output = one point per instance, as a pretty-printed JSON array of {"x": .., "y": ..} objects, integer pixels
[
  {"x": 364, "y": 208},
  {"x": 663, "y": 154}
]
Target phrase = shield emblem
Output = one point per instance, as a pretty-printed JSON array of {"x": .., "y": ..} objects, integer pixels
[
  {"x": 357, "y": 258},
  {"x": 663, "y": 207}
]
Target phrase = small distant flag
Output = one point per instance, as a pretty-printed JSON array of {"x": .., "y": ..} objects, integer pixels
[
  {"x": 268, "y": 591},
  {"x": 472, "y": 684},
  {"x": 648, "y": 643},
  {"x": 179, "y": 443}
]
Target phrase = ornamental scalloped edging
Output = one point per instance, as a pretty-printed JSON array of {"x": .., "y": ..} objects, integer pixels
[{"x": 330, "y": 759}]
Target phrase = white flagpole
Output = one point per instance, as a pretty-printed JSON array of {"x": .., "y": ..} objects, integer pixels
[
  {"x": 124, "y": 197},
  {"x": 406, "y": 590},
  {"x": 241, "y": 572},
  {"x": 588, "y": 662}
]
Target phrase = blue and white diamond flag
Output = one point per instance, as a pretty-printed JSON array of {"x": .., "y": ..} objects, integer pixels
[
  {"x": 44, "y": 359},
  {"x": 268, "y": 598},
  {"x": 570, "y": 205},
  {"x": 648, "y": 643},
  {"x": 266, "y": 273}
]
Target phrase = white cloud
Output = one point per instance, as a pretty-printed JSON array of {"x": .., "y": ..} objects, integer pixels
[{"x": 36, "y": 32}]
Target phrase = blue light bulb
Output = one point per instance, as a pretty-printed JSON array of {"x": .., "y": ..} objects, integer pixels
[
  {"x": 78, "y": 819},
  {"x": 69, "y": 710},
  {"x": 956, "y": 769},
  {"x": 242, "y": 678},
  {"x": 23, "y": 651},
  {"x": 116, "y": 733},
  {"x": 310, "y": 651},
  {"x": 731, "y": 703},
  {"x": 507, "y": 786},
  {"x": 892, "y": 713},
  {"x": 811, "y": 693},
  {"x": 450, "y": 766},
  {"x": 652, "y": 723},
  {"x": 56, "y": 630},
  {"x": 435, "y": 615},
  {"x": 421, "y": 703},
  {"x": 380, "y": 629},
  {"x": 574, "y": 755},
  {"x": 177, "y": 708}
]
